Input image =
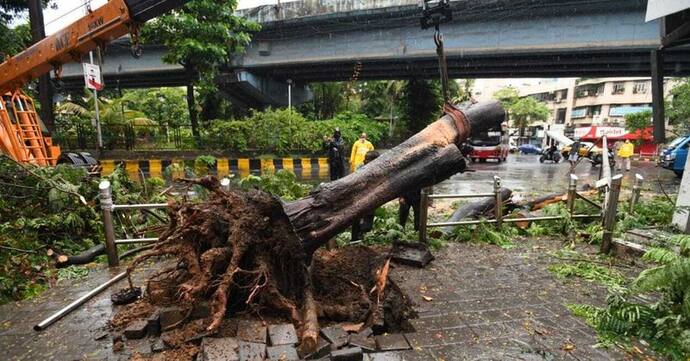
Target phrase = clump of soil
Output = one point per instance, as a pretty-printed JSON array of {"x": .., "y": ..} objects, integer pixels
[
  {"x": 138, "y": 310},
  {"x": 238, "y": 252}
]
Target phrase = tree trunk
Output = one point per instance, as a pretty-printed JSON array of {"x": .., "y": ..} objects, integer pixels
[
  {"x": 427, "y": 158},
  {"x": 45, "y": 89},
  {"x": 191, "y": 104}
]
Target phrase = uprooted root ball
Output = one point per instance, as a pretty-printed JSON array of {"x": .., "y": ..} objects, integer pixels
[{"x": 238, "y": 250}]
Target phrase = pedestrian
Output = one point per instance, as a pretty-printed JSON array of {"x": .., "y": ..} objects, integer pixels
[
  {"x": 625, "y": 153},
  {"x": 409, "y": 200},
  {"x": 359, "y": 151},
  {"x": 334, "y": 146},
  {"x": 366, "y": 223},
  {"x": 574, "y": 152},
  {"x": 616, "y": 149}
]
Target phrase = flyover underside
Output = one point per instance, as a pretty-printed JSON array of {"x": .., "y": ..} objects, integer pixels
[{"x": 603, "y": 63}]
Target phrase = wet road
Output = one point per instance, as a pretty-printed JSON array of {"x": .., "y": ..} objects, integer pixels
[{"x": 525, "y": 175}]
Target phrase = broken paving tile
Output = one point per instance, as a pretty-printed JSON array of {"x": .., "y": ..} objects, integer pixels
[
  {"x": 367, "y": 344},
  {"x": 385, "y": 356},
  {"x": 219, "y": 349},
  {"x": 158, "y": 346},
  {"x": 392, "y": 342},
  {"x": 347, "y": 354},
  {"x": 411, "y": 254},
  {"x": 136, "y": 330},
  {"x": 252, "y": 351},
  {"x": 283, "y": 334},
  {"x": 101, "y": 335},
  {"x": 366, "y": 332},
  {"x": 154, "y": 325},
  {"x": 336, "y": 335},
  {"x": 251, "y": 331},
  {"x": 282, "y": 353},
  {"x": 323, "y": 348},
  {"x": 169, "y": 316}
]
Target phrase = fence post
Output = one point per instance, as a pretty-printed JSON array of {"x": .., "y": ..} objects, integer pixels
[
  {"x": 637, "y": 188},
  {"x": 423, "y": 209},
  {"x": 610, "y": 213},
  {"x": 499, "y": 202},
  {"x": 225, "y": 184},
  {"x": 572, "y": 191},
  {"x": 106, "y": 197}
]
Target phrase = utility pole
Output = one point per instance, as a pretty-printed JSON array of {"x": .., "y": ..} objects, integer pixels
[{"x": 45, "y": 89}]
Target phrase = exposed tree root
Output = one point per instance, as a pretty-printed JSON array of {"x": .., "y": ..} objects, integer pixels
[{"x": 239, "y": 250}]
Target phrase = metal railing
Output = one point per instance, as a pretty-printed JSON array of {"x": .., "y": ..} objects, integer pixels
[
  {"x": 608, "y": 216},
  {"x": 107, "y": 208}
]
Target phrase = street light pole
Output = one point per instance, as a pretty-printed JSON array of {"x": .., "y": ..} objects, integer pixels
[{"x": 289, "y": 82}]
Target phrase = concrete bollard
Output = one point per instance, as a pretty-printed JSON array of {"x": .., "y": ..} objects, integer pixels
[
  {"x": 572, "y": 193},
  {"x": 637, "y": 188},
  {"x": 610, "y": 211},
  {"x": 498, "y": 208},
  {"x": 106, "y": 198},
  {"x": 225, "y": 184}
]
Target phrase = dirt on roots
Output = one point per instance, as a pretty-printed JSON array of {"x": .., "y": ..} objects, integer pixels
[{"x": 238, "y": 252}]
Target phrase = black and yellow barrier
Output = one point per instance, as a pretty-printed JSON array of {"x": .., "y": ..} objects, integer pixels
[{"x": 304, "y": 168}]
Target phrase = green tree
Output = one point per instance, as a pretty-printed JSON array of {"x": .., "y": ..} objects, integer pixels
[
  {"x": 507, "y": 96},
  {"x": 200, "y": 36},
  {"x": 14, "y": 40},
  {"x": 165, "y": 106},
  {"x": 525, "y": 111},
  {"x": 464, "y": 92},
  {"x": 422, "y": 103},
  {"x": 329, "y": 99},
  {"x": 679, "y": 107},
  {"x": 637, "y": 121}
]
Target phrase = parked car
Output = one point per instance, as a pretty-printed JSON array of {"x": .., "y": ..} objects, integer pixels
[
  {"x": 529, "y": 149},
  {"x": 674, "y": 155}
]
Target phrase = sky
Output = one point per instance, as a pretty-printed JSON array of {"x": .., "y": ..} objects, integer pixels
[{"x": 67, "y": 11}]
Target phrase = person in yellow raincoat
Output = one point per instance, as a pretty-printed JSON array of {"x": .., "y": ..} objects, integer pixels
[
  {"x": 359, "y": 151},
  {"x": 625, "y": 153}
]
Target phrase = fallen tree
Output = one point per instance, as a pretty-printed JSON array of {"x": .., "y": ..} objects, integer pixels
[
  {"x": 484, "y": 208},
  {"x": 248, "y": 249}
]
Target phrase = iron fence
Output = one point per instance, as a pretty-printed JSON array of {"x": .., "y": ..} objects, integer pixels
[{"x": 79, "y": 136}]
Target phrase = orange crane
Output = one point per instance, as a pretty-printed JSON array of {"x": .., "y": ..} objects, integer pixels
[{"x": 23, "y": 136}]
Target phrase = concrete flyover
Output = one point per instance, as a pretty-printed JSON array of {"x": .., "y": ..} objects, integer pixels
[{"x": 335, "y": 40}]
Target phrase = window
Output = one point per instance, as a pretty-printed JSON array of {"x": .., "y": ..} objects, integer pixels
[
  {"x": 579, "y": 113},
  {"x": 618, "y": 88},
  {"x": 560, "y": 116},
  {"x": 640, "y": 87}
]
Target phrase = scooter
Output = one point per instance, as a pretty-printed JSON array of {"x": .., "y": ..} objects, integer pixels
[
  {"x": 551, "y": 154},
  {"x": 597, "y": 159}
]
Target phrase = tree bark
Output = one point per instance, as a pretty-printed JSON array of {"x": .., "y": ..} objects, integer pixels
[
  {"x": 427, "y": 158},
  {"x": 191, "y": 104}
]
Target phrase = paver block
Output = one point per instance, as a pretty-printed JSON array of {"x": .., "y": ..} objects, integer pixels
[
  {"x": 366, "y": 332},
  {"x": 158, "y": 346},
  {"x": 385, "y": 356},
  {"x": 283, "y": 334},
  {"x": 170, "y": 316},
  {"x": 282, "y": 353},
  {"x": 251, "y": 331},
  {"x": 219, "y": 349},
  {"x": 392, "y": 342},
  {"x": 252, "y": 351},
  {"x": 153, "y": 326},
  {"x": 348, "y": 354},
  {"x": 367, "y": 344},
  {"x": 336, "y": 335},
  {"x": 136, "y": 330},
  {"x": 201, "y": 310},
  {"x": 323, "y": 348},
  {"x": 411, "y": 254}
]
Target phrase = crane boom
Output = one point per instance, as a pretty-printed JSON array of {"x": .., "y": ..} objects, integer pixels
[
  {"x": 22, "y": 134},
  {"x": 104, "y": 24}
]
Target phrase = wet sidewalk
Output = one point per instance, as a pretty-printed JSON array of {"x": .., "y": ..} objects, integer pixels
[{"x": 474, "y": 302}]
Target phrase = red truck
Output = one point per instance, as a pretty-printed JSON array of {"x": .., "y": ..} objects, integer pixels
[{"x": 492, "y": 144}]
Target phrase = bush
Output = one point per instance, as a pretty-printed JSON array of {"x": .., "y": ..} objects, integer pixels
[{"x": 282, "y": 131}]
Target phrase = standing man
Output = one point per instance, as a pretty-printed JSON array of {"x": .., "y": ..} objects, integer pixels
[
  {"x": 359, "y": 151},
  {"x": 334, "y": 146},
  {"x": 625, "y": 153},
  {"x": 574, "y": 152}
]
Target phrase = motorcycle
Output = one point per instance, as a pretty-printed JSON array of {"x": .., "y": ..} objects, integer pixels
[
  {"x": 550, "y": 155},
  {"x": 597, "y": 159}
]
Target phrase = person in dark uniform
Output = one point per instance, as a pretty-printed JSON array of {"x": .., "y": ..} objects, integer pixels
[
  {"x": 410, "y": 199},
  {"x": 366, "y": 223},
  {"x": 334, "y": 146}
]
